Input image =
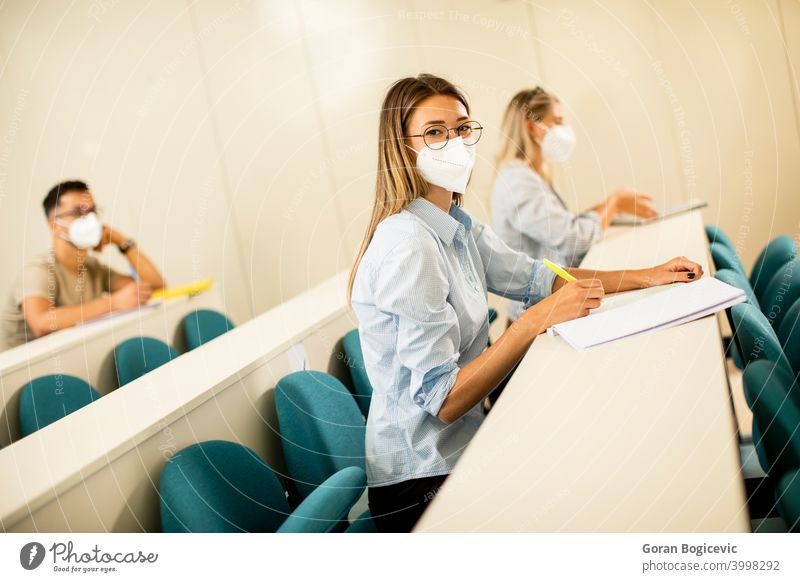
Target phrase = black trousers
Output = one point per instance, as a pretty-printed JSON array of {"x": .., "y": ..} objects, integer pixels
[{"x": 396, "y": 508}]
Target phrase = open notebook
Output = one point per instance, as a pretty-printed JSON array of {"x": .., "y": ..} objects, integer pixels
[{"x": 637, "y": 312}]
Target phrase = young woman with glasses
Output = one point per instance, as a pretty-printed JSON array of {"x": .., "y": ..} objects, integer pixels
[{"x": 419, "y": 289}]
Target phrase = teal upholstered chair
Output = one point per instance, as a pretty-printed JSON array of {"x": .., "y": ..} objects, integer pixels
[
  {"x": 787, "y": 495},
  {"x": 322, "y": 431},
  {"x": 736, "y": 279},
  {"x": 781, "y": 293},
  {"x": 773, "y": 256},
  {"x": 203, "y": 325},
  {"x": 220, "y": 486},
  {"x": 774, "y": 398},
  {"x": 726, "y": 258},
  {"x": 354, "y": 358},
  {"x": 715, "y": 234},
  {"x": 45, "y": 400},
  {"x": 492, "y": 316},
  {"x": 789, "y": 336},
  {"x": 138, "y": 356},
  {"x": 755, "y": 339}
]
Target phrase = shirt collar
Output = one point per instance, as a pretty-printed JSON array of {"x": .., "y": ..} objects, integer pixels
[{"x": 445, "y": 225}]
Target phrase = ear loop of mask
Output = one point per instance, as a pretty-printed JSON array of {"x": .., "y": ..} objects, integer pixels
[{"x": 61, "y": 234}]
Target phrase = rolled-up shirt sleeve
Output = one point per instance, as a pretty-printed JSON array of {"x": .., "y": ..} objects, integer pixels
[
  {"x": 510, "y": 273},
  {"x": 411, "y": 285}
]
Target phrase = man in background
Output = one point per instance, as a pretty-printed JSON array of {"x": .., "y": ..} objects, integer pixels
[{"x": 67, "y": 285}]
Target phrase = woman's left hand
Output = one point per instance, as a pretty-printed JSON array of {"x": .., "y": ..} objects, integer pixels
[{"x": 679, "y": 269}]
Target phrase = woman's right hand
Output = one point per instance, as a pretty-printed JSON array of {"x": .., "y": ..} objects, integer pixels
[
  {"x": 571, "y": 301},
  {"x": 631, "y": 202}
]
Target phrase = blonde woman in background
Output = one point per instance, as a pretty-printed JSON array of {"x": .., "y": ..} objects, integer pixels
[
  {"x": 527, "y": 212},
  {"x": 419, "y": 290}
]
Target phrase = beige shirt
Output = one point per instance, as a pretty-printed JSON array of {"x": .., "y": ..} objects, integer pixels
[{"x": 45, "y": 277}]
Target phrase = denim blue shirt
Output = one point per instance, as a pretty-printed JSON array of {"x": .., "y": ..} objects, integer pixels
[{"x": 420, "y": 295}]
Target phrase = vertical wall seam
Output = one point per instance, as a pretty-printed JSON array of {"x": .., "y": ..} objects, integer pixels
[
  {"x": 6, "y": 76},
  {"x": 658, "y": 53},
  {"x": 417, "y": 44},
  {"x": 792, "y": 73},
  {"x": 315, "y": 97},
  {"x": 223, "y": 166},
  {"x": 536, "y": 41}
]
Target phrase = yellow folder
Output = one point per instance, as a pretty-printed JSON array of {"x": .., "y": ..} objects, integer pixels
[{"x": 188, "y": 289}]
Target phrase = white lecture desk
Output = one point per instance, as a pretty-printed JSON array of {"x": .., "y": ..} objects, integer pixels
[
  {"x": 634, "y": 436},
  {"x": 86, "y": 350}
]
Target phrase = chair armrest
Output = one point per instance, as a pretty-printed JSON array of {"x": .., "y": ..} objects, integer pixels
[{"x": 328, "y": 505}]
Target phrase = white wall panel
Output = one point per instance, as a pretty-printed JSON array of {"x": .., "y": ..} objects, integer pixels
[
  {"x": 727, "y": 67},
  {"x": 115, "y": 97}
]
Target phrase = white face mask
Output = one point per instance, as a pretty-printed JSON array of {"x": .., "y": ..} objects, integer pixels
[
  {"x": 85, "y": 232},
  {"x": 449, "y": 167},
  {"x": 558, "y": 143}
]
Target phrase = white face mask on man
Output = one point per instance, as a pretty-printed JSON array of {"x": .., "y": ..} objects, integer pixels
[
  {"x": 558, "y": 143},
  {"x": 85, "y": 232},
  {"x": 449, "y": 167}
]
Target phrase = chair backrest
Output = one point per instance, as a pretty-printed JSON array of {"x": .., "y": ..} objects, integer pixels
[
  {"x": 754, "y": 336},
  {"x": 45, "y": 400},
  {"x": 726, "y": 258},
  {"x": 787, "y": 494},
  {"x": 773, "y": 256},
  {"x": 137, "y": 356},
  {"x": 220, "y": 486},
  {"x": 733, "y": 277},
  {"x": 203, "y": 325},
  {"x": 781, "y": 293},
  {"x": 775, "y": 401},
  {"x": 354, "y": 358},
  {"x": 715, "y": 234},
  {"x": 322, "y": 430},
  {"x": 789, "y": 336}
]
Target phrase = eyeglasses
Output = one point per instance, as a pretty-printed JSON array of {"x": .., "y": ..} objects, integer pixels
[
  {"x": 437, "y": 136},
  {"x": 79, "y": 211}
]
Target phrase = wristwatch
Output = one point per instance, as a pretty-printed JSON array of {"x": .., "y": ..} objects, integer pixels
[{"x": 123, "y": 248}]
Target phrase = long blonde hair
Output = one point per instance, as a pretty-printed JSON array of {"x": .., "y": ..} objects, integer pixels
[
  {"x": 518, "y": 144},
  {"x": 398, "y": 181}
]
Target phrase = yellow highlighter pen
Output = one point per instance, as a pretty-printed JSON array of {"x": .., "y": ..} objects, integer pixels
[{"x": 558, "y": 270}]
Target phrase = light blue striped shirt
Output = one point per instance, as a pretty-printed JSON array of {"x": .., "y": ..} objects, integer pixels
[
  {"x": 420, "y": 297},
  {"x": 531, "y": 217}
]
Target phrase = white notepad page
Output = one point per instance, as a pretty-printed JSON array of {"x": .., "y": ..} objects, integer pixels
[{"x": 679, "y": 304}]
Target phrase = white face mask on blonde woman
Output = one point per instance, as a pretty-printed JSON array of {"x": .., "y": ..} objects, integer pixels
[
  {"x": 449, "y": 167},
  {"x": 558, "y": 143}
]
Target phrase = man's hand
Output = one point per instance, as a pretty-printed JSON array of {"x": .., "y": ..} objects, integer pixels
[
  {"x": 110, "y": 236},
  {"x": 130, "y": 296}
]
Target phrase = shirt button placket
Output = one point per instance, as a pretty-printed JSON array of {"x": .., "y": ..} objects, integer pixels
[{"x": 463, "y": 257}]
